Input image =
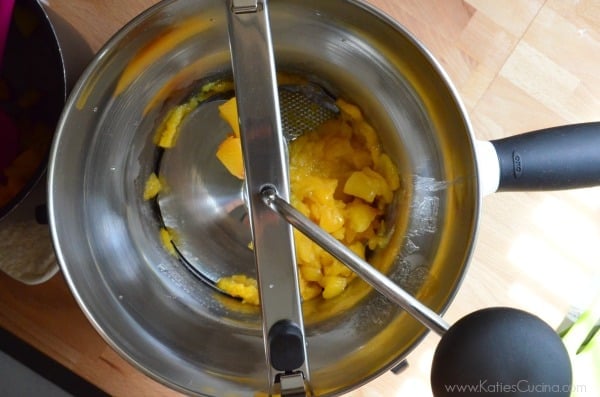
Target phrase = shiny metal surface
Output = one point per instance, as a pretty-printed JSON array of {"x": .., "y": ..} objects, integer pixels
[
  {"x": 215, "y": 244},
  {"x": 265, "y": 164},
  {"x": 147, "y": 305}
]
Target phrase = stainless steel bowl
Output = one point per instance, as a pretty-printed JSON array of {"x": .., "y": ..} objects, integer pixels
[{"x": 150, "y": 307}]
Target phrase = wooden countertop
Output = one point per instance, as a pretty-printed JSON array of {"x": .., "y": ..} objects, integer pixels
[{"x": 519, "y": 65}]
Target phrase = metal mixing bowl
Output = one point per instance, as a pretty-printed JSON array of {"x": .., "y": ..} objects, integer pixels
[{"x": 150, "y": 307}]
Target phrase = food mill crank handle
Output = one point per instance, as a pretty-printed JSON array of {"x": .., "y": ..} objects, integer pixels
[
  {"x": 556, "y": 158},
  {"x": 494, "y": 345},
  {"x": 265, "y": 163},
  {"x": 366, "y": 272}
]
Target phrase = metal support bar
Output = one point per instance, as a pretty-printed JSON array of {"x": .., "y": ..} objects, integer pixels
[{"x": 266, "y": 164}]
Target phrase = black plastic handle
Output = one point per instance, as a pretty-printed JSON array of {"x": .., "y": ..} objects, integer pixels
[
  {"x": 556, "y": 158},
  {"x": 286, "y": 346},
  {"x": 501, "y": 351}
]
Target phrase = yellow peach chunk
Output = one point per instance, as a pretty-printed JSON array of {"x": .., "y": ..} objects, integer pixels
[
  {"x": 309, "y": 290},
  {"x": 360, "y": 215},
  {"x": 305, "y": 249},
  {"x": 152, "y": 187},
  {"x": 333, "y": 286},
  {"x": 352, "y": 111},
  {"x": 338, "y": 269},
  {"x": 230, "y": 155},
  {"x": 367, "y": 185},
  {"x": 310, "y": 273},
  {"x": 229, "y": 113},
  {"x": 167, "y": 132},
  {"x": 166, "y": 238},
  {"x": 388, "y": 170},
  {"x": 360, "y": 185},
  {"x": 240, "y": 286}
]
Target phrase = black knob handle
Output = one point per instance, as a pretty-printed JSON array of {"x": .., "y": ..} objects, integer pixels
[
  {"x": 501, "y": 352},
  {"x": 286, "y": 346}
]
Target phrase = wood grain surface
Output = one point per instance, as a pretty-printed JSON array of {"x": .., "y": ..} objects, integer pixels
[{"x": 518, "y": 65}]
